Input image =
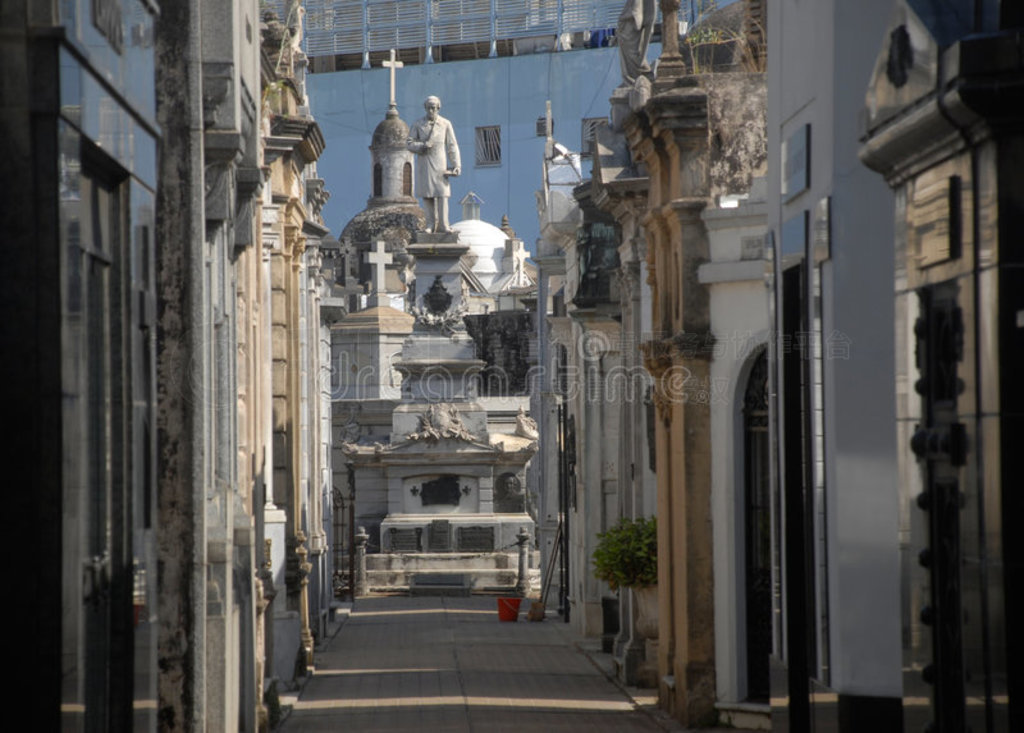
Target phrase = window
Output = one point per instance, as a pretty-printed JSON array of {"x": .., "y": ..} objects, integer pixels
[
  {"x": 488, "y": 145},
  {"x": 588, "y": 129}
]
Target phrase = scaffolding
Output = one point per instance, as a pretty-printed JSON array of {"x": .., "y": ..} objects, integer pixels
[{"x": 344, "y": 27}]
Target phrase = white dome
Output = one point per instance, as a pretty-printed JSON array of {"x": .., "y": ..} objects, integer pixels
[{"x": 487, "y": 243}]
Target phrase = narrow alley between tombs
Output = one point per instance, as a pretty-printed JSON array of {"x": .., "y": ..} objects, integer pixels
[{"x": 448, "y": 664}]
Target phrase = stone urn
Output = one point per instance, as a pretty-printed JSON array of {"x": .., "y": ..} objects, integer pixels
[{"x": 646, "y": 611}]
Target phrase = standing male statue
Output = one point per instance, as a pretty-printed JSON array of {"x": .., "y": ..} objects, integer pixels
[{"x": 432, "y": 139}]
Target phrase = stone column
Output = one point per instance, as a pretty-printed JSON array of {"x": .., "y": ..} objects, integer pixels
[
  {"x": 295, "y": 244},
  {"x": 672, "y": 139},
  {"x": 522, "y": 583},
  {"x": 670, "y": 64}
]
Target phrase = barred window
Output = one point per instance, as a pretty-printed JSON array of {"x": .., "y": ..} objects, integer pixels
[
  {"x": 588, "y": 128},
  {"x": 488, "y": 145}
]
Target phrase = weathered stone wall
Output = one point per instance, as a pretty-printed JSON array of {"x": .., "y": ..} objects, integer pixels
[
  {"x": 180, "y": 218},
  {"x": 737, "y": 105}
]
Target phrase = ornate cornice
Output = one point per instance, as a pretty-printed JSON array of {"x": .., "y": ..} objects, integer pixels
[
  {"x": 301, "y": 135},
  {"x": 971, "y": 99},
  {"x": 681, "y": 111}
]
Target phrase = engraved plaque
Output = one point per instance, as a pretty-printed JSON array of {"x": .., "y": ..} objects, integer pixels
[
  {"x": 752, "y": 248},
  {"x": 935, "y": 219},
  {"x": 476, "y": 539},
  {"x": 443, "y": 490},
  {"x": 405, "y": 540},
  {"x": 796, "y": 162},
  {"x": 439, "y": 536}
]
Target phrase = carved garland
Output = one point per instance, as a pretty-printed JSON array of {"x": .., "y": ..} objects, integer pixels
[
  {"x": 447, "y": 322},
  {"x": 441, "y": 421},
  {"x": 437, "y": 311}
]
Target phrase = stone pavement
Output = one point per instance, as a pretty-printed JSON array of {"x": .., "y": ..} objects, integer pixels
[{"x": 447, "y": 664}]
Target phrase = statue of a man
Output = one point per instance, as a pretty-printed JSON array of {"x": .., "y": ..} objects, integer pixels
[
  {"x": 633, "y": 34},
  {"x": 433, "y": 140}
]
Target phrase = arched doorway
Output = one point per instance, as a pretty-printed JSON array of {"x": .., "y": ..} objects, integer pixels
[{"x": 757, "y": 530}]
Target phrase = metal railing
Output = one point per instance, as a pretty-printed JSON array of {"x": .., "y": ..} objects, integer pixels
[{"x": 336, "y": 27}]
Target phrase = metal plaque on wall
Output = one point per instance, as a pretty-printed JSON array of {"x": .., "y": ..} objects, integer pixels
[{"x": 476, "y": 539}]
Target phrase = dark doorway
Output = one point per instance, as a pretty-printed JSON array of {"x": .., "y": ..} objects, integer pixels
[
  {"x": 757, "y": 530},
  {"x": 798, "y": 630}
]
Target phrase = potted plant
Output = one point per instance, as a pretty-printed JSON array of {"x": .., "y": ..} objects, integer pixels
[{"x": 627, "y": 556}]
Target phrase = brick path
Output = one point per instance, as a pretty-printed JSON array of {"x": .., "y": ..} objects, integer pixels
[{"x": 448, "y": 664}]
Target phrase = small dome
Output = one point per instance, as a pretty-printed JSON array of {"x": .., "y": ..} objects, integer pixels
[
  {"x": 392, "y": 132},
  {"x": 394, "y": 222},
  {"x": 487, "y": 243}
]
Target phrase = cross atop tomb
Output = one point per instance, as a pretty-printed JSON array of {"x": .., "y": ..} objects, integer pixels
[
  {"x": 378, "y": 259},
  {"x": 392, "y": 65}
]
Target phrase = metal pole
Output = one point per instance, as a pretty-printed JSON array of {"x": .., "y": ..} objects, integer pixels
[
  {"x": 561, "y": 502},
  {"x": 494, "y": 33},
  {"x": 366, "y": 37},
  {"x": 430, "y": 36}
]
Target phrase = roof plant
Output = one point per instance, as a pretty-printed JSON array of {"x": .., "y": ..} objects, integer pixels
[{"x": 627, "y": 554}]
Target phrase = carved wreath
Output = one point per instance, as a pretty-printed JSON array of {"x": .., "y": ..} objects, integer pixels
[
  {"x": 441, "y": 421},
  {"x": 446, "y": 322},
  {"x": 436, "y": 311}
]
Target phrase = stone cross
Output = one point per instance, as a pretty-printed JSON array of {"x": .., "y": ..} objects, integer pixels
[
  {"x": 392, "y": 64},
  {"x": 378, "y": 259}
]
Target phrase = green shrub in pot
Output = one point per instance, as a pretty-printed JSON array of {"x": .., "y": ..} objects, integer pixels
[{"x": 627, "y": 554}]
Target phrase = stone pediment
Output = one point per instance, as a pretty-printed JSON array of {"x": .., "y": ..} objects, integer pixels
[
  {"x": 906, "y": 69},
  {"x": 375, "y": 320},
  {"x": 439, "y": 448}
]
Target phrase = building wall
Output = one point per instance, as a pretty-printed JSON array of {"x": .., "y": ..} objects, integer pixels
[
  {"x": 79, "y": 370},
  {"x": 143, "y": 279},
  {"x": 740, "y": 325},
  {"x": 821, "y": 57},
  {"x": 957, "y": 183}
]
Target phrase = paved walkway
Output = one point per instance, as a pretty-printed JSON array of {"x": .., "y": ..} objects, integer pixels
[{"x": 447, "y": 664}]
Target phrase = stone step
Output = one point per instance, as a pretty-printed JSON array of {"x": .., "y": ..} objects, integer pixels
[
  {"x": 478, "y": 579},
  {"x": 745, "y": 715},
  {"x": 441, "y": 560},
  {"x": 440, "y": 584}
]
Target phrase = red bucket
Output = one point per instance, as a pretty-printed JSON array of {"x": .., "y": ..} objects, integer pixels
[{"x": 508, "y": 609}]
